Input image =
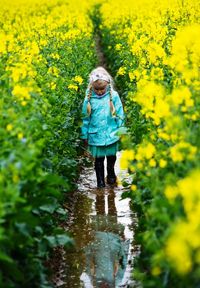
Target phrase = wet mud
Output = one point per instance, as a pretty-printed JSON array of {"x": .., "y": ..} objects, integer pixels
[{"x": 102, "y": 225}]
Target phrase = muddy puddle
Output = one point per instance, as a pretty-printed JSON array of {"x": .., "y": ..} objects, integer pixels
[{"x": 102, "y": 225}]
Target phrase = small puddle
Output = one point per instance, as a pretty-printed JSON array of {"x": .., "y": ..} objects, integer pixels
[{"x": 102, "y": 225}]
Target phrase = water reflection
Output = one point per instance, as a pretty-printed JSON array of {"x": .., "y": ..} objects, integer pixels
[
  {"x": 101, "y": 224},
  {"x": 106, "y": 255}
]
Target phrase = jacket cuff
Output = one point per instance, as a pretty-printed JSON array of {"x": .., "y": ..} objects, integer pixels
[{"x": 84, "y": 137}]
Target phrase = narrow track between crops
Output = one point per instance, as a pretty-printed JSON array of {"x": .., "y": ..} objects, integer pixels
[
  {"x": 102, "y": 225},
  {"x": 99, "y": 219}
]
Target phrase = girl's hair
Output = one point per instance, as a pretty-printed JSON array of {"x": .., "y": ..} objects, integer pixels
[{"x": 100, "y": 73}]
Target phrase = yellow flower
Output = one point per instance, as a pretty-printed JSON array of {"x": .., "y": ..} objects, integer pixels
[
  {"x": 9, "y": 127},
  {"x": 78, "y": 79},
  {"x": 21, "y": 92},
  {"x": 161, "y": 108},
  {"x": 54, "y": 71},
  {"x": 189, "y": 190},
  {"x": 2, "y": 43},
  {"x": 178, "y": 253},
  {"x": 34, "y": 49},
  {"x": 127, "y": 156},
  {"x": 150, "y": 150},
  {"x": 121, "y": 71},
  {"x": 157, "y": 73},
  {"x": 180, "y": 96},
  {"x": 145, "y": 151},
  {"x": 23, "y": 103},
  {"x": 73, "y": 87},
  {"x": 156, "y": 271},
  {"x": 140, "y": 165},
  {"x": 194, "y": 117},
  {"x": 133, "y": 187},
  {"x": 20, "y": 135},
  {"x": 53, "y": 86},
  {"x": 132, "y": 168},
  {"x": 118, "y": 47},
  {"x": 55, "y": 56},
  {"x": 152, "y": 163},
  {"x": 131, "y": 76},
  {"x": 171, "y": 192},
  {"x": 163, "y": 135},
  {"x": 181, "y": 151},
  {"x": 162, "y": 163}
]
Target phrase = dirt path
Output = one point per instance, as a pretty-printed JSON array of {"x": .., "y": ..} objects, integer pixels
[
  {"x": 101, "y": 57},
  {"x": 102, "y": 225}
]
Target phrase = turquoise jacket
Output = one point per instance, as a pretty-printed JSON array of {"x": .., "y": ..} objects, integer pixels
[
  {"x": 100, "y": 128},
  {"x": 106, "y": 251}
]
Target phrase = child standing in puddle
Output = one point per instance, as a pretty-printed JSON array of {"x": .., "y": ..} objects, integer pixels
[{"x": 103, "y": 115}]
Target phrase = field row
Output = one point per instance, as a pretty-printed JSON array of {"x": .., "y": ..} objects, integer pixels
[
  {"x": 153, "y": 49},
  {"x": 43, "y": 46}
]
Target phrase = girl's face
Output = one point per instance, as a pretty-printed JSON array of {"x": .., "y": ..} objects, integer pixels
[{"x": 99, "y": 87}]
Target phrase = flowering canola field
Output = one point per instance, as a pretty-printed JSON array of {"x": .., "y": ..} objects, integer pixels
[
  {"x": 43, "y": 45},
  {"x": 153, "y": 49}
]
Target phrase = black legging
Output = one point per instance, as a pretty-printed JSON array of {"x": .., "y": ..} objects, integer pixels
[
  {"x": 110, "y": 159},
  {"x": 99, "y": 160}
]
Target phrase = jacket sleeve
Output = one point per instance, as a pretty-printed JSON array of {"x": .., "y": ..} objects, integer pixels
[
  {"x": 85, "y": 120},
  {"x": 119, "y": 110}
]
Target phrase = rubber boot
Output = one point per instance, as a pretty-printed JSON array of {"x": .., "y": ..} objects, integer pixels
[
  {"x": 111, "y": 177},
  {"x": 99, "y": 168}
]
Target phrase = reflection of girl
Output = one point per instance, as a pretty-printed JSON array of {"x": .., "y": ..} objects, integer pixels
[
  {"x": 106, "y": 259},
  {"x": 106, "y": 255}
]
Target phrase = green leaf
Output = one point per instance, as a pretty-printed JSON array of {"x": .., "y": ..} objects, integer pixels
[
  {"x": 57, "y": 240},
  {"x": 61, "y": 211},
  {"x": 51, "y": 240},
  {"x": 64, "y": 239},
  {"x": 5, "y": 258},
  {"x": 50, "y": 208}
]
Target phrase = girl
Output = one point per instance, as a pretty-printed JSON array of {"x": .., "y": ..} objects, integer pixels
[{"x": 103, "y": 115}]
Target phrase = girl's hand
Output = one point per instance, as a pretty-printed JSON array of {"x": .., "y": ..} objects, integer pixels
[{"x": 85, "y": 142}]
